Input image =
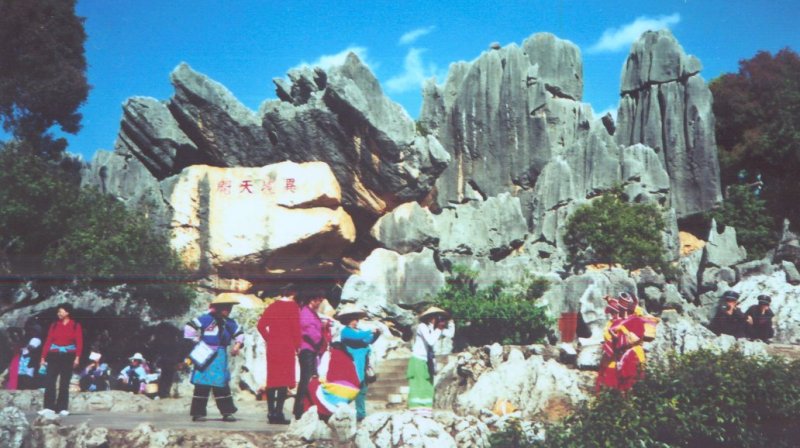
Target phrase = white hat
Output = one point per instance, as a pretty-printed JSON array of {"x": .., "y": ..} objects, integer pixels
[
  {"x": 94, "y": 356},
  {"x": 433, "y": 310},
  {"x": 350, "y": 310},
  {"x": 136, "y": 357}
]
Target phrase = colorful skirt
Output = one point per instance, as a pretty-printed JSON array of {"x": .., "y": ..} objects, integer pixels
[
  {"x": 420, "y": 384},
  {"x": 216, "y": 373}
]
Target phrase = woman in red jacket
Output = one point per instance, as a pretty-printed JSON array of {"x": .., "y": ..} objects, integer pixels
[{"x": 60, "y": 355}]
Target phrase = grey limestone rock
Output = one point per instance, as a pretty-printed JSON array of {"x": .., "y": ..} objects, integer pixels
[
  {"x": 14, "y": 428},
  {"x": 225, "y": 131},
  {"x": 407, "y": 228},
  {"x": 124, "y": 176},
  {"x": 666, "y": 105},
  {"x": 343, "y": 118},
  {"x": 150, "y": 132},
  {"x": 722, "y": 250},
  {"x": 754, "y": 267},
  {"x": 792, "y": 275},
  {"x": 387, "y": 280},
  {"x": 502, "y": 116}
]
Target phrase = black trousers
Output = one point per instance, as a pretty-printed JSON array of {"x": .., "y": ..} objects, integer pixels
[
  {"x": 222, "y": 395},
  {"x": 166, "y": 379},
  {"x": 59, "y": 367},
  {"x": 275, "y": 398},
  {"x": 308, "y": 368}
]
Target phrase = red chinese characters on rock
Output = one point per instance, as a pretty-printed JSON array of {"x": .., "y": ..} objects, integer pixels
[
  {"x": 249, "y": 186},
  {"x": 245, "y": 186}
]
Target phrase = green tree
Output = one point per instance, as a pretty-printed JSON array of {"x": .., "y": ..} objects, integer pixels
[
  {"x": 614, "y": 231},
  {"x": 51, "y": 227},
  {"x": 42, "y": 67},
  {"x": 757, "y": 113},
  {"x": 34, "y": 194},
  {"x": 504, "y": 313},
  {"x": 699, "y": 399},
  {"x": 755, "y": 228}
]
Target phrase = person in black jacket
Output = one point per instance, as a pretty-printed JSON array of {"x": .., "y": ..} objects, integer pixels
[
  {"x": 760, "y": 315},
  {"x": 729, "y": 319}
]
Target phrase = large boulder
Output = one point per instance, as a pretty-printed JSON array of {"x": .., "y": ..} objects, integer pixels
[
  {"x": 388, "y": 281},
  {"x": 273, "y": 220},
  {"x": 404, "y": 429},
  {"x": 531, "y": 385},
  {"x": 666, "y": 105},
  {"x": 343, "y": 118},
  {"x": 407, "y": 228},
  {"x": 722, "y": 250}
]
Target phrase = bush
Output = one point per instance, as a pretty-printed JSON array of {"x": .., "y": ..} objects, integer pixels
[
  {"x": 512, "y": 436},
  {"x": 748, "y": 214},
  {"x": 508, "y": 314},
  {"x": 699, "y": 399},
  {"x": 613, "y": 231}
]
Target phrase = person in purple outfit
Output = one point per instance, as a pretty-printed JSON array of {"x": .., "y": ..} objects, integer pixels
[{"x": 311, "y": 343}]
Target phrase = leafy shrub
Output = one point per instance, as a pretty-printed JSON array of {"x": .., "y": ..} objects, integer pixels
[
  {"x": 699, "y": 399},
  {"x": 748, "y": 214},
  {"x": 512, "y": 436},
  {"x": 508, "y": 314},
  {"x": 611, "y": 230}
]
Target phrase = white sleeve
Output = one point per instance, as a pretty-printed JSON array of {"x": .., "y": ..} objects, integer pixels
[{"x": 428, "y": 334}]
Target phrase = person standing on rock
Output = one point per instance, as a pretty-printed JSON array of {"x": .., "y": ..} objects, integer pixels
[
  {"x": 760, "y": 319},
  {"x": 217, "y": 330},
  {"x": 311, "y": 332},
  {"x": 280, "y": 328},
  {"x": 60, "y": 355},
  {"x": 358, "y": 343},
  {"x": 421, "y": 365}
]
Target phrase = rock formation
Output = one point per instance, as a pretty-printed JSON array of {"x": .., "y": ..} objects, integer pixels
[{"x": 666, "y": 105}]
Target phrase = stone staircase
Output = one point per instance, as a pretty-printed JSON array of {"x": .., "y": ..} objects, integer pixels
[{"x": 392, "y": 377}]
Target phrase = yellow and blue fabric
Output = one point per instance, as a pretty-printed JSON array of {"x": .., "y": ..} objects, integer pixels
[{"x": 340, "y": 386}]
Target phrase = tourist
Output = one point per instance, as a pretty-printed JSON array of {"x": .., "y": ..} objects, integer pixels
[
  {"x": 421, "y": 365},
  {"x": 95, "y": 376},
  {"x": 218, "y": 331},
  {"x": 60, "y": 355},
  {"x": 23, "y": 370},
  {"x": 133, "y": 378},
  {"x": 312, "y": 340},
  {"x": 358, "y": 343},
  {"x": 170, "y": 350},
  {"x": 729, "y": 319},
  {"x": 760, "y": 319},
  {"x": 279, "y": 325}
]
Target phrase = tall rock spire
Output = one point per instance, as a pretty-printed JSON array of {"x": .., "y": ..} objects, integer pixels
[{"x": 666, "y": 105}]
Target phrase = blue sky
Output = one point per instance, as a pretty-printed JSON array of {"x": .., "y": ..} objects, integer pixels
[{"x": 133, "y": 46}]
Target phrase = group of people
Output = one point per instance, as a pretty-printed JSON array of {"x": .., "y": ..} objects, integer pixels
[
  {"x": 294, "y": 333},
  {"x": 334, "y": 370},
  {"x": 623, "y": 356},
  {"x": 755, "y": 323}
]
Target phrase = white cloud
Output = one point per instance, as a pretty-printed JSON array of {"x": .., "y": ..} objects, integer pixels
[
  {"x": 415, "y": 72},
  {"x": 327, "y": 61},
  {"x": 415, "y": 34},
  {"x": 616, "y": 39}
]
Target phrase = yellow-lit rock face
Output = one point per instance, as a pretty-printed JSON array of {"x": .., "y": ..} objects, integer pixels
[{"x": 263, "y": 219}]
